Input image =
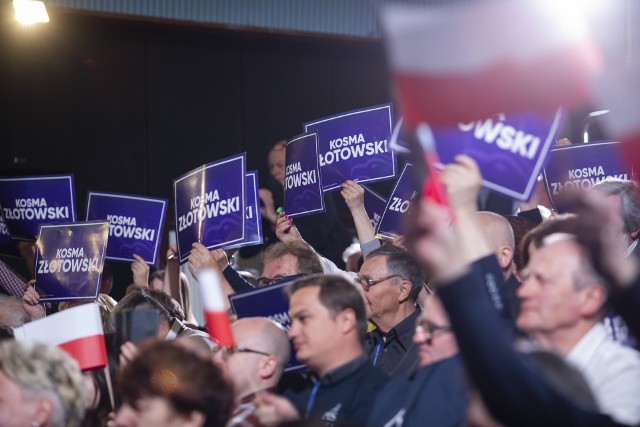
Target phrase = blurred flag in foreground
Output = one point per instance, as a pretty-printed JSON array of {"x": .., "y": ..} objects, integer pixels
[
  {"x": 468, "y": 62},
  {"x": 215, "y": 310},
  {"x": 77, "y": 330}
]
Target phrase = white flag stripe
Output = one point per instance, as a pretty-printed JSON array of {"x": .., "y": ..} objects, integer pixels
[
  {"x": 67, "y": 325},
  {"x": 465, "y": 38},
  {"x": 211, "y": 289}
]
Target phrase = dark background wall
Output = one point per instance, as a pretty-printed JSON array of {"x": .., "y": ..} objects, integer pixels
[{"x": 127, "y": 106}]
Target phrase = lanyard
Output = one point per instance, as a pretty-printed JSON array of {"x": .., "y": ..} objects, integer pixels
[
  {"x": 312, "y": 399},
  {"x": 378, "y": 348}
]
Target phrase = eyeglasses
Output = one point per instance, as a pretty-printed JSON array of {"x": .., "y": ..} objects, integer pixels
[
  {"x": 225, "y": 352},
  {"x": 368, "y": 283},
  {"x": 430, "y": 329},
  {"x": 266, "y": 281}
]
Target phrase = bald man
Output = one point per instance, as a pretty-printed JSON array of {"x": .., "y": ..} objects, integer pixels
[
  {"x": 500, "y": 238},
  {"x": 256, "y": 364}
]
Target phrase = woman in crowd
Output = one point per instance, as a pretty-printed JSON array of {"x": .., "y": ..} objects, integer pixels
[{"x": 40, "y": 386}]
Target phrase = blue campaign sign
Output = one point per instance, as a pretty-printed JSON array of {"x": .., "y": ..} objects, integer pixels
[
  {"x": 510, "y": 150},
  {"x": 253, "y": 217},
  {"x": 403, "y": 192},
  {"x": 271, "y": 302},
  {"x": 355, "y": 145},
  {"x": 302, "y": 182},
  {"x": 375, "y": 205},
  {"x": 69, "y": 260},
  {"x": 581, "y": 165},
  {"x": 28, "y": 202},
  {"x": 135, "y": 224},
  {"x": 210, "y": 205},
  {"x": 8, "y": 246}
]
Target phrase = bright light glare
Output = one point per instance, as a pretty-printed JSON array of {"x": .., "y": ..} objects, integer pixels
[{"x": 30, "y": 11}]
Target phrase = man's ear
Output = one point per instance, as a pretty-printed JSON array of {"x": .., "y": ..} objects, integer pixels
[
  {"x": 405, "y": 291},
  {"x": 268, "y": 367},
  {"x": 505, "y": 256},
  {"x": 593, "y": 300},
  {"x": 634, "y": 234},
  {"x": 347, "y": 320}
]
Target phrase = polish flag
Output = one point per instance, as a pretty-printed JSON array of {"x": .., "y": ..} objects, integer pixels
[
  {"x": 215, "y": 310},
  {"x": 77, "y": 330},
  {"x": 468, "y": 62}
]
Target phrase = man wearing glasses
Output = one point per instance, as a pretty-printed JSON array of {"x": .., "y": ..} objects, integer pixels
[
  {"x": 254, "y": 365},
  {"x": 437, "y": 390},
  {"x": 282, "y": 261},
  {"x": 391, "y": 280}
]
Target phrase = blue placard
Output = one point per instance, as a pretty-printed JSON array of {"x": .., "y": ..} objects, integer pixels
[
  {"x": 271, "y": 302},
  {"x": 210, "y": 205},
  {"x": 403, "y": 192},
  {"x": 510, "y": 150},
  {"x": 135, "y": 224},
  {"x": 28, "y": 202},
  {"x": 8, "y": 246},
  {"x": 302, "y": 181},
  {"x": 253, "y": 217},
  {"x": 375, "y": 205},
  {"x": 355, "y": 145},
  {"x": 69, "y": 260},
  {"x": 580, "y": 166}
]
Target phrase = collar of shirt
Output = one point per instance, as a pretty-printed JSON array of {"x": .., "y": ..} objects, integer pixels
[
  {"x": 342, "y": 372},
  {"x": 402, "y": 332}
]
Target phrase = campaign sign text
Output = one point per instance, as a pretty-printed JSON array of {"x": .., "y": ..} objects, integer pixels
[
  {"x": 355, "y": 145},
  {"x": 135, "y": 224},
  {"x": 375, "y": 205},
  {"x": 302, "y": 184},
  {"x": 404, "y": 191},
  {"x": 580, "y": 166},
  {"x": 8, "y": 246},
  {"x": 210, "y": 205},
  {"x": 510, "y": 150},
  {"x": 253, "y": 218},
  {"x": 271, "y": 302},
  {"x": 69, "y": 260},
  {"x": 27, "y": 202}
]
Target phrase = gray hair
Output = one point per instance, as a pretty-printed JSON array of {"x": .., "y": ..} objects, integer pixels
[
  {"x": 41, "y": 370},
  {"x": 11, "y": 312},
  {"x": 630, "y": 193}
]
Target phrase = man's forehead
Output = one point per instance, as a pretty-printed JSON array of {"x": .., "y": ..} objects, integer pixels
[
  {"x": 304, "y": 298},
  {"x": 285, "y": 265},
  {"x": 556, "y": 252},
  {"x": 374, "y": 263}
]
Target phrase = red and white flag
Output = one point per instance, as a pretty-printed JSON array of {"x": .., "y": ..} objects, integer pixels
[
  {"x": 215, "y": 310},
  {"x": 468, "y": 62},
  {"x": 77, "y": 330}
]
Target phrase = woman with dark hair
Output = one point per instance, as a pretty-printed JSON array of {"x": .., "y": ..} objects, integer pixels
[{"x": 167, "y": 384}]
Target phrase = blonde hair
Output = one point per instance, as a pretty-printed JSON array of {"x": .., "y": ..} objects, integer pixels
[
  {"x": 41, "y": 370},
  {"x": 104, "y": 301}
]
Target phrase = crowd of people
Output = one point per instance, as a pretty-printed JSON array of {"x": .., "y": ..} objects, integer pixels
[{"x": 469, "y": 318}]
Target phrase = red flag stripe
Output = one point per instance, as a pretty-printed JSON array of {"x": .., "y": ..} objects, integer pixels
[{"x": 90, "y": 352}]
